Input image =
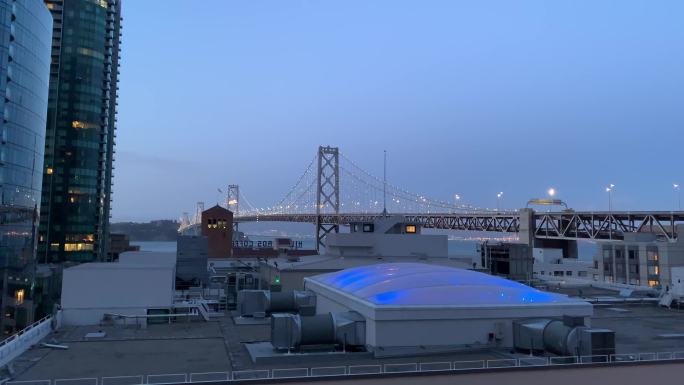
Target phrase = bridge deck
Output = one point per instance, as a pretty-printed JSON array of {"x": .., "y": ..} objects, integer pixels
[{"x": 548, "y": 225}]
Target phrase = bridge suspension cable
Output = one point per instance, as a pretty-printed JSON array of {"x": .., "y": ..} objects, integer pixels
[{"x": 360, "y": 192}]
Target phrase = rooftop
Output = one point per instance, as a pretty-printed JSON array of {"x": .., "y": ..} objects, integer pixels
[
  {"x": 330, "y": 262},
  {"x": 220, "y": 346}
]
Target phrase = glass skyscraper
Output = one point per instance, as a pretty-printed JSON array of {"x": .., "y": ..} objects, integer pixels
[
  {"x": 25, "y": 31},
  {"x": 79, "y": 141}
]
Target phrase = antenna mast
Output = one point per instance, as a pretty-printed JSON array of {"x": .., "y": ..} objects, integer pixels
[{"x": 384, "y": 183}]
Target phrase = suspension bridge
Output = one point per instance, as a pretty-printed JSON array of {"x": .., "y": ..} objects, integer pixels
[{"x": 334, "y": 191}]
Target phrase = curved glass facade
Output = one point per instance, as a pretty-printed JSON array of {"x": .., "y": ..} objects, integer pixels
[
  {"x": 25, "y": 38},
  {"x": 80, "y": 131}
]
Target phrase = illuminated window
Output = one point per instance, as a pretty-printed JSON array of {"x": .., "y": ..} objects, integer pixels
[
  {"x": 72, "y": 199},
  {"x": 54, "y": 246},
  {"x": 19, "y": 296},
  {"x": 652, "y": 255},
  {"x": 79, "y": 124},
  {"x": 411, "y": 229},
  {"x": 653, "y": 282},
  {"x": 91, "y": 53},
  {"x": 78, "y": 247},
  {"x": 49, "y": 171}
]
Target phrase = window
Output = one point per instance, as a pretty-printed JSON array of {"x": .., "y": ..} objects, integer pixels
[
  {"x": 410, "y": 229},
  {"x": 568, "y": 273},
  {"x": 368, "y": 228},
  {"x": 581, "y": 273},
  {"x": 653, "y": 282},
  {"x": 19, "y": 296},
  {"x": 78, "y": 247},
  {"x": 652, "y": 255},
  {"x": 653, "y": 270}
]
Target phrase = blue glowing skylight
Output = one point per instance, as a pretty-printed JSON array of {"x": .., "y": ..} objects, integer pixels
[{"x": 419, "y": 284}]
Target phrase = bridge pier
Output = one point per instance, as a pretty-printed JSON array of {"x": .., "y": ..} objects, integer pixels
[{"x": 528, "y": 227}]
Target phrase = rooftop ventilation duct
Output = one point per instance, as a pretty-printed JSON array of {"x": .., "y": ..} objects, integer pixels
[
  {"x": 566, "y": 337},
  {"x": 259, "y": 303},
  {"x": 292, "y": 331}
]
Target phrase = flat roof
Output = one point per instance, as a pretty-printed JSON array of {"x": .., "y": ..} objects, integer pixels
[
  {"x": 220, "y": 346},
  {"x": 117, "y": 266},
  {"x": 332, "y": 262}
]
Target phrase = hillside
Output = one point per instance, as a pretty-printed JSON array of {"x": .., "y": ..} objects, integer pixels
[{"x": 161, "y": 230}]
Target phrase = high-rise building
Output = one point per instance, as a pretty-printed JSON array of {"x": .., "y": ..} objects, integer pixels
[
  {"x": 79, "y": 141},
  {"x": 25, "y": 31}
]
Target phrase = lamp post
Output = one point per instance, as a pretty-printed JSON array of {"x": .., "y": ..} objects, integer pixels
[
  {"x": 678, "y": 196},
  {"x": 499, "y": 196},
  {"x": 609, "y": 190}
]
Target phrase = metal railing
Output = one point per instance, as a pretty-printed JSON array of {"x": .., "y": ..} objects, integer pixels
[
  {"x": 365, "y": 370},
  {"x": 17, "y": 344}
]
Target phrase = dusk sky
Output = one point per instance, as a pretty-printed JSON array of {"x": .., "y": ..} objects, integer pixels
[{"x": 469, "y": 97}]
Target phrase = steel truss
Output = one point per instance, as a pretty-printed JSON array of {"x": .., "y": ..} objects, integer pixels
[
  {"x": 607, "y": 225},
  {"x": 565, "y": 225}
]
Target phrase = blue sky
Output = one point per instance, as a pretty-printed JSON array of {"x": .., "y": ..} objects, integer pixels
[{"x": 472, "y": 97}]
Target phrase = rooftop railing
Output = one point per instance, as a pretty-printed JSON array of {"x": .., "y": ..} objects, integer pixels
[
  {"x": 17, "y": 344},
  {"x": 363, "y": 370}
]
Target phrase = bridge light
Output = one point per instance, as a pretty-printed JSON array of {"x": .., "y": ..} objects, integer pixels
[{"x": 552, "y": 192}]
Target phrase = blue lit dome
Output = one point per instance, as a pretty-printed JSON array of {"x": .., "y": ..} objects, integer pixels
[{"x": 417, "y": 284}]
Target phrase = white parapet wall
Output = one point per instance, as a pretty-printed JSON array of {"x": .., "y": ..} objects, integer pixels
[{"x": 19, "y": 343}]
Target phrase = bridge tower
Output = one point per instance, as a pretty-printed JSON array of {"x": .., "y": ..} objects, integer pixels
[
  {"x": 233, "y": 202},
  {"x": 328, "y": 195},
  {"x": 198, "y": 213}
]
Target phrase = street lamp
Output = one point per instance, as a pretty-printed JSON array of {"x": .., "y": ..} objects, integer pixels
[
  {"x": 678, "y": 194},
  {"x": 499, "y": 196},
  {"x": 609, "y": 190}
]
